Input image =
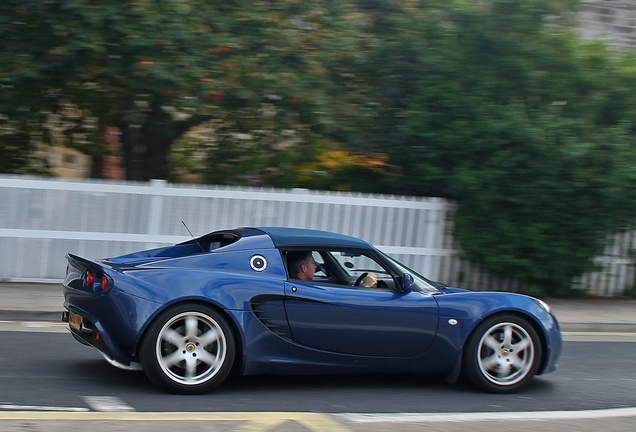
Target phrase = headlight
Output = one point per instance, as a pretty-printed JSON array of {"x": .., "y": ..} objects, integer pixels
[{"x": 543, "y": 304}]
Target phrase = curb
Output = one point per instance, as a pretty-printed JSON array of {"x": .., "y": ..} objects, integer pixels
[
  {"x": 50, "y": 316},
  {"x": 598, "y": 327},
  {"x": 21, "y": 315}
]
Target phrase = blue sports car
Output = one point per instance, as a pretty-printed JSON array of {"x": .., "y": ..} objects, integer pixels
[{"x": 295, "y": 301}]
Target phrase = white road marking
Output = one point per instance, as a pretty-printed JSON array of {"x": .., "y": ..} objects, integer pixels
[
  {"x": 40, "y": 408},
  {"x": 599, "y": 336},
  {"x": 107, "y": 404},
  {"x": 625, "y": 334},
  {"x": 484, "y": 416},
  {"x": 33, "y": 326}
]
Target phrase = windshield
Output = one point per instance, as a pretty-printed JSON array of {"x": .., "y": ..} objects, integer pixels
[{"x": 420, "y": 283}]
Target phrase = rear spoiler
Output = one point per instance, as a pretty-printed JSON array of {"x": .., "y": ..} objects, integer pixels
[
  {"x": 76, "y": 270},
  {"x": 81, "y": 263}
]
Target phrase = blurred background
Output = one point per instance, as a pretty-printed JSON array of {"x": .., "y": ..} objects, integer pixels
[{"x": 491, "y": 144}]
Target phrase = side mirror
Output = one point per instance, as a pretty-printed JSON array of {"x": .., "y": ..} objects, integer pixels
[{"x": 407, "y": 282}]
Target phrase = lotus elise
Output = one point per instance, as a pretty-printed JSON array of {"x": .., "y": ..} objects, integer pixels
[{"x": 232, "y": 300}]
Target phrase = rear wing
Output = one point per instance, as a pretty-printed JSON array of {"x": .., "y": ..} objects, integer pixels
[{"x": 86, "y": 275}]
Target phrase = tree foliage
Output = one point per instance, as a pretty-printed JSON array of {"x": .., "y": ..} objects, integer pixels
[
  {"x": 157, "y": 69},
  {"x": 498, "y": 106}
]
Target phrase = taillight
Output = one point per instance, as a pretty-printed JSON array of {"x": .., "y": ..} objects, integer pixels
[
  {"x": 96, "y": 282},
  {"x": 89, "y": 279}
]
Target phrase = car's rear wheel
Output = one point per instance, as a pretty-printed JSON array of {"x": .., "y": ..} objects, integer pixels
[
  {"x": 188, "y": 349},
  {"x": 503, "y": 354}
]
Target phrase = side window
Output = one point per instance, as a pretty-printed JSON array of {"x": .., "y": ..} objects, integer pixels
[
  {"x": 350, "y": 268},
  {"x": 320, "y": 271},
  {"x": 300, "y": 267},
  {"x": 345, "y": 268},
  {"x": 356, "y": 264}
]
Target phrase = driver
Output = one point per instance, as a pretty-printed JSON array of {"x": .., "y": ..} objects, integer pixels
[{"x": 301, "y": 265}]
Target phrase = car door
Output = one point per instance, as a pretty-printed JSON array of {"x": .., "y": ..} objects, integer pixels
[{"x": 346, "y": 319}]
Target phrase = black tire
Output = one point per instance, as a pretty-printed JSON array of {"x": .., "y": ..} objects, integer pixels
[
  {"x": 188, "y": 349},
  {"x": 502, "y": 355}
]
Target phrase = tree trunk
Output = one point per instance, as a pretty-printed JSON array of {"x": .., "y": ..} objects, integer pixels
[{"x": 147, "y": 145}]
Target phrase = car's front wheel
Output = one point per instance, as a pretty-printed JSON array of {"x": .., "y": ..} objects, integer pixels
[
  {"x": 503, "y": 354},
  {"x": 188, "y": 349}
]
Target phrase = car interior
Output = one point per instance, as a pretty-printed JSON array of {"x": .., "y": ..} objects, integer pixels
[{"x": 349, "y": 269}]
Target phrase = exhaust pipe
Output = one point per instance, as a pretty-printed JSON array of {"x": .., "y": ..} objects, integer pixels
[{"x": 86, "y": 330}]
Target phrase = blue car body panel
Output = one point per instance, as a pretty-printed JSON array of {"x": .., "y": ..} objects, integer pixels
[
  {"x": 470, "y": 308},
  {"x": 361, "y": 322},
  {"x": 283, "y": 325}
]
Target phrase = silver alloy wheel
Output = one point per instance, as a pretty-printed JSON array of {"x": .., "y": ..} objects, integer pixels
[
  {"x": 191, "y": 348},
  {"x": 506, "y": 353}
]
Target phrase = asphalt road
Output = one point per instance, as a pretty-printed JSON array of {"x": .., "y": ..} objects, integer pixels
[{"x": 50, "y": 382}]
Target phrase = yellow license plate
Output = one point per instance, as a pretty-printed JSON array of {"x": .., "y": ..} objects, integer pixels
[{"x": 74, "y": 320}]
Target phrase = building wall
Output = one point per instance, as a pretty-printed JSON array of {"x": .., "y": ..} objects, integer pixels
[{"x": 612, "y": 21}]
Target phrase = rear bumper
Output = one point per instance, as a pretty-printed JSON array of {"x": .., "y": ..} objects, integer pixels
[{"x": 89, "y": 336}]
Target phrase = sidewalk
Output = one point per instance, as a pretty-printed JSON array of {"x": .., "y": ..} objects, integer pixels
[
  {"x": 30, "y": 301},
  {"x": 44, "y": 302}
]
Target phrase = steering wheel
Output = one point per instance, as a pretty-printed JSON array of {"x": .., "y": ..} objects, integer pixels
[{"x": 361, "y": 278}]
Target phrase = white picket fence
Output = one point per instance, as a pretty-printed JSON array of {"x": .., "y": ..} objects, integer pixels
[{"x": 43, "y": 219}]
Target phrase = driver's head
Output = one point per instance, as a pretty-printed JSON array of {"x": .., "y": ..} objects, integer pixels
[{"x": 301, "y": 265}]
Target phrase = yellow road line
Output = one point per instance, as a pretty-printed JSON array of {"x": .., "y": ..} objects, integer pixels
[{"x": 254, "y": 421}]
